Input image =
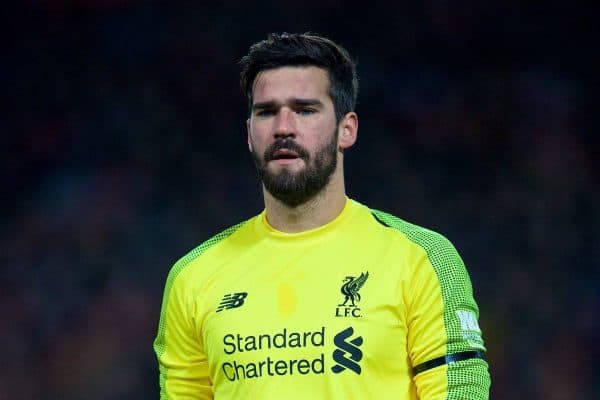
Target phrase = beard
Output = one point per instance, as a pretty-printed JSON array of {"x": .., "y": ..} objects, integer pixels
[{"x": 296, "y": 188}]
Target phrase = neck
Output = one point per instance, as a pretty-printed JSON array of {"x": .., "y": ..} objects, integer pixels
[{"x": 318, "y": 211}]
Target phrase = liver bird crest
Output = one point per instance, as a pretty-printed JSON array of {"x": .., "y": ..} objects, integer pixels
[{"x": 351, "y": 287}]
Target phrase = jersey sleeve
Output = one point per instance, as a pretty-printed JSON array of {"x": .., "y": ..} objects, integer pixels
[
  {"x": 183, "y": 365},
  {"x": 445, "y": 344}
]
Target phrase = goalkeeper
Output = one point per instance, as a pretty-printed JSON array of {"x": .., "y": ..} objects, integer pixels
[{"x": 318, "y": 296}]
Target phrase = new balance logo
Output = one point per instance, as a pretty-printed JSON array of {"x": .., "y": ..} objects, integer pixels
[
  {"x": 232, "y": 300},
  {"x": 347, "y": 355}
]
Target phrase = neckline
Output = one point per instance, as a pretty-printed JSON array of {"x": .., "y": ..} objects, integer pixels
[{"x": 265, "y": 229}]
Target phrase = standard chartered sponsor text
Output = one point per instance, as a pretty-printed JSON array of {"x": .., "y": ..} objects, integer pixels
[{"x": 246, "y": 367}]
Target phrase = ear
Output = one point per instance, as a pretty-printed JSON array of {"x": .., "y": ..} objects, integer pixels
[
  {"x": 348, "y": 130},
  {"x": 249, "y": 139}
]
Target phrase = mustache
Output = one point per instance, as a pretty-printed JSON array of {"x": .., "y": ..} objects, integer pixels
[{"x": 288, "y": 144}]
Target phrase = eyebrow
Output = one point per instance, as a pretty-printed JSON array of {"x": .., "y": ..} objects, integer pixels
[{"x": 295, "y": 102}]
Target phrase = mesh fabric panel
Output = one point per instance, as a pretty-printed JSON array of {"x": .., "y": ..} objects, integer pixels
[
  {"x": 467, "y": 379},
  {"x": 159, "y": 343}
]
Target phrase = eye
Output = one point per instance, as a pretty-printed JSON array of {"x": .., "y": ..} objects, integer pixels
[
  {"x": 264, "y": 113},
  {"x": 306, "y": 111}
]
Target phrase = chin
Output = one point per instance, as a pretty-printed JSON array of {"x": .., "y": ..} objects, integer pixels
[{"x": 293, "y": 168}]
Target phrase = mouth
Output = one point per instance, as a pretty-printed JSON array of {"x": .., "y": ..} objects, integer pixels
[{"x": 284, "y": 154}]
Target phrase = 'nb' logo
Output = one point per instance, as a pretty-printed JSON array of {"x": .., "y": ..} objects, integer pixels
[
  {"x": 232, "y": 300},
  {"x": 347, "y": 355}
]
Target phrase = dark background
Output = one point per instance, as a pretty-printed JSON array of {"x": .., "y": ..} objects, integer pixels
[{"x": 123, "y": 146}]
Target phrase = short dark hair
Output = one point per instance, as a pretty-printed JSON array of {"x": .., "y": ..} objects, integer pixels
[{"x": 304, "y": 49}]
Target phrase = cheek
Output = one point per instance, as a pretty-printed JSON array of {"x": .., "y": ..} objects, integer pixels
[
  {"x": 258, "y": 131},
  {"x": 256, "y": 143}
]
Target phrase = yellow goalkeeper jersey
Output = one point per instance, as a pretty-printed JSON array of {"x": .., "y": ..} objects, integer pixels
[{"x": 365, "y": 307}]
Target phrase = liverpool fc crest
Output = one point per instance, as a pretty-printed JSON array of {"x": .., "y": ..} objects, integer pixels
[{"x": 350, "y": 289}]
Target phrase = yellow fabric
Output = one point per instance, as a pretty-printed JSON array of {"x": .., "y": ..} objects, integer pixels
[{"x": 279, "y": 341}]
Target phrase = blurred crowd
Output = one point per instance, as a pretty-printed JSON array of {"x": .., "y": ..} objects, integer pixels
[{"x": 124, "y": 148}]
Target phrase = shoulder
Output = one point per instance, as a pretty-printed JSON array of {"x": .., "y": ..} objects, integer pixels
[
  {"x": 195, "y": 256},
  {"x": 440, "y": 251},
  {"x": 440, "y": 261},
  {"x": 429, "y": 240}
]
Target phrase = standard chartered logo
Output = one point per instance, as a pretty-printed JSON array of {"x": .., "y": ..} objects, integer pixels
[
  {"x": 271, "y": 354},
  {"x": 347, "y": 355},
  {"x": 270, "y": 366}
]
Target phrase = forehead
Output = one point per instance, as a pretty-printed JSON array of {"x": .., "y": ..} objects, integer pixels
[{"x": 291, "y": 82}]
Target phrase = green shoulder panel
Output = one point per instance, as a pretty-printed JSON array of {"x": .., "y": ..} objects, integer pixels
[
  {"x": 468, "y": 378},
  {"x": 159, "y": 342}
]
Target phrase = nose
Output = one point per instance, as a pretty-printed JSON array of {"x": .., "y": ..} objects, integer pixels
[{"x": 285, "y": 124}]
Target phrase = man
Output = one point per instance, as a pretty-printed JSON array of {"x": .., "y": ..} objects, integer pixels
[{"x": 318, "y": 296}]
